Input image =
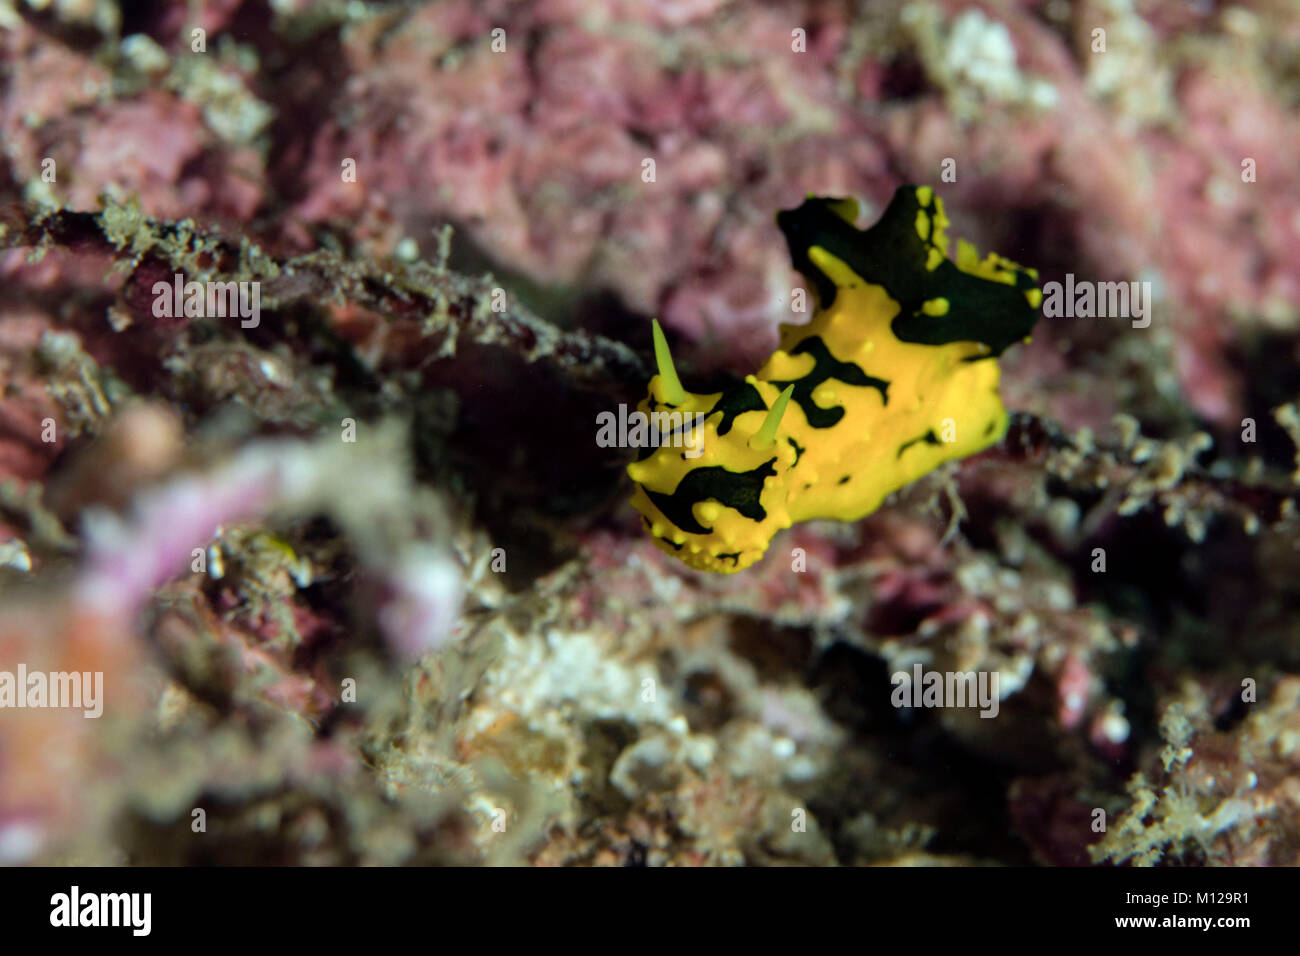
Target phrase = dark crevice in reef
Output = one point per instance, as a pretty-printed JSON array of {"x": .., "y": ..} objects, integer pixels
[
  {"x": 774, "y": 652},
  {"x": 1268, "y": 365},
  {"x": 77, "y": 36},
  {"x": 1146, "y": 574},
  {"x": 524, "y": 444},
  {"x": 905, "y": 78},
  {"x": 149, "y": 17},
  {"x": 903, "y": 767}
]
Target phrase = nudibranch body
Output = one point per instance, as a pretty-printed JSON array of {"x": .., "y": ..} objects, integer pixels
[{"x": 895, "y": 374}]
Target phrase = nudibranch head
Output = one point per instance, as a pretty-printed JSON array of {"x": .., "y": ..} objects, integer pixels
[
  {"x": 718, "y": 510},
  {"x": 895, "y": 374}
]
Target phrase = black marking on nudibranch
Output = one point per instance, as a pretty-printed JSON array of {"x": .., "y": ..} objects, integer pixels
[
  {"x": 827, "y": 366},
  {"x": 735, "y": 489},
  {"x": 734, "y": 402},
  {"x": 798, "y": 451},
  {"x": 930, "y": 438},
  {"x": 893, "y": 255}
]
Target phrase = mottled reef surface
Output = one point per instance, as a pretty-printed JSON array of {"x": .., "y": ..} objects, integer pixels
[{"x": 363, "y": 588}]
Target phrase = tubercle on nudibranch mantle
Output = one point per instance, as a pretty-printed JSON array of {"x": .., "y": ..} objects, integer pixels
[{"x": 895, "y": 374}]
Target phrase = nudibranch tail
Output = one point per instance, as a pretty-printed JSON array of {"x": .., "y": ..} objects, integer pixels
[
  {"x": 906, "y": 254},
  {"x": 895, "y": 374}
]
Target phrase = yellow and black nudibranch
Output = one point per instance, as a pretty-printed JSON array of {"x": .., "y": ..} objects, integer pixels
[{"x": 895, "y": 374}]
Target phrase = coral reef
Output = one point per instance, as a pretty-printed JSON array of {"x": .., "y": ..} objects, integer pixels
[{"x": 363, "y": 588}]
